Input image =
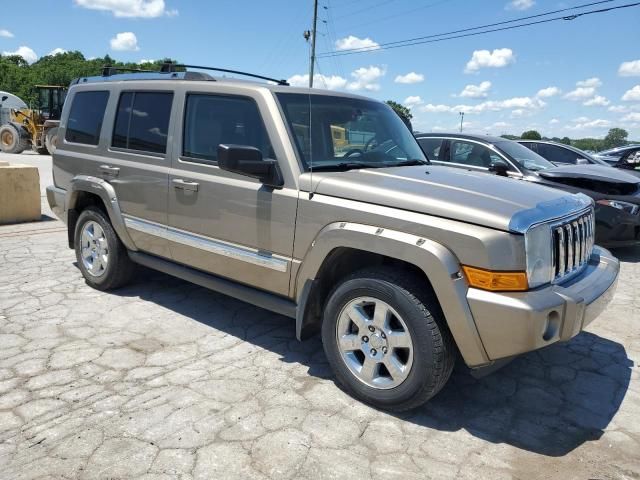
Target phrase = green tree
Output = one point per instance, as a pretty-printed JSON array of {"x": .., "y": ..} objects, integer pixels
[
  {"x": 403, "y": 112},
  {"x": 616, "y": 137},
  {"x": 531, "y": 135},
  {"x": 565, "y": 140}
]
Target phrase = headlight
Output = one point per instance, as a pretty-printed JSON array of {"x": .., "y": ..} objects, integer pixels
[
  {"x": 625, "y": 206},
  {"x": 538, "y": 247}
]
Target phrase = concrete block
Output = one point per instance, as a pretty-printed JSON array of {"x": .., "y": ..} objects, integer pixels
[{"x": 19, "y": 194}]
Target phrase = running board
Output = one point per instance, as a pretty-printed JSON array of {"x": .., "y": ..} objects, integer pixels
[{"x": 259, "y": 298}]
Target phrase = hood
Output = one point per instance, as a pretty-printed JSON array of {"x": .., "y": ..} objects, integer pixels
[
  {"x": 595, "y": 178},
  {"x": 462, "y": 195}
]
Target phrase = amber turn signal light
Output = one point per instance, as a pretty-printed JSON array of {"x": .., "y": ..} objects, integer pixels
[{"x": 496, "y": 281}]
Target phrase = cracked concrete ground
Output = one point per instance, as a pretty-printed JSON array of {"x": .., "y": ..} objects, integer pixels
[{"x": 164, "y": 379}]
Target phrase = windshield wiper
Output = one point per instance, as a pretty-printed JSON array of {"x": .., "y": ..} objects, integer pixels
[
  {"x": 343, "y": 166},
  {"x": 409, "y": 163}
]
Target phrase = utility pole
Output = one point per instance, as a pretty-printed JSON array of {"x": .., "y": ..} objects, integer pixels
[
  {"x": 312, "y": 62},
  {"x": 461, "y": 120}
]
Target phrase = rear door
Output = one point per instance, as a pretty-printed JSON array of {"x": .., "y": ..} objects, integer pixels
[{"x": 221, "y": 222}]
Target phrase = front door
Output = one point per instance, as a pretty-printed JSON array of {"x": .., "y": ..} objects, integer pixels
[{"x": 221, "y": 222}]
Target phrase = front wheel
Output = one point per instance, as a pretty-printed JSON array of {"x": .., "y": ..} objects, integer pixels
[
  {"x": 101, "y": 256},
  {"x": 386, "y": 339},
  {"x": 11, "y": 140}
]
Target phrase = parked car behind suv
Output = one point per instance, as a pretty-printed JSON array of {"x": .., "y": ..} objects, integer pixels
[
  {"x": 616, "y": 192},
  {"x": 321, "y": 206},
  {"x": 623, "y": 156},
  {"x": 560, "y": 155}
]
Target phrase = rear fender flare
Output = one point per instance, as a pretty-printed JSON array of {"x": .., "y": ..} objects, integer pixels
[
  {"x": 106, "y": 192},
  {"x": 439, "y": 264}
]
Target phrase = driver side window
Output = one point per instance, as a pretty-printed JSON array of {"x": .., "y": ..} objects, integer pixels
[{"x": 472, "y": 154}]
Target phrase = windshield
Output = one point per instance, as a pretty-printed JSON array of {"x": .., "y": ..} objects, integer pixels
[
  {"x": 348, "y": 133},
  {"x": 523, "y": 156}
]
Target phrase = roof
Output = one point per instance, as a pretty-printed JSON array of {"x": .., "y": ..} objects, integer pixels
[
  {"x": 464, "y": 136},
  {"x": 204, "y": 78}
]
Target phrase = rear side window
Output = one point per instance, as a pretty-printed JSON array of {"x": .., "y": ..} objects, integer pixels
[
  {"x": 211, "y": 120},
  {"x": 431, "y": 147},
  {"x": 142, "y": 121},
  {"x": 86, "y": 116},
  {"x": 557, "y": 154}
]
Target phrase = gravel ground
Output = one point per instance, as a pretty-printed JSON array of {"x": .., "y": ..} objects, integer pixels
[{"x": 164, "y": 379}]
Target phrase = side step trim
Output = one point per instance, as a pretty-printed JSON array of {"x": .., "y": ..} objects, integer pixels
[{"x": 259, "y": 298}]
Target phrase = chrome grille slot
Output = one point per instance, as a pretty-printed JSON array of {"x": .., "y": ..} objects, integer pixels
[{"x": 572, "y": 245}]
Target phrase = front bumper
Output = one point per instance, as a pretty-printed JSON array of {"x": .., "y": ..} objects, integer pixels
[
  {"x": 56, "y": 198},
  {"x": 514, "y": 323},
  {"x": 616, "y": 228}
]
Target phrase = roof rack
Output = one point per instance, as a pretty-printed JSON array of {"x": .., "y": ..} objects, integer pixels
[
  {"x": 168, "y": 67},
  {"x": 168, "y": 71}
]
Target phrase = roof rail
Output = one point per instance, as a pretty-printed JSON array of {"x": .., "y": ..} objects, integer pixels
[
  {"x": 109, "y": 70},
  {"x": 170, "y": 67}
]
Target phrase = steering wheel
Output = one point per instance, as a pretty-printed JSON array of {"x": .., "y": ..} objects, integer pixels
[
  {"x": 369, "y": 142},
  {"x": 353, "y": 151}
]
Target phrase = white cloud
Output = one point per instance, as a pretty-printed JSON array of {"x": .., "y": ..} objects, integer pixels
[
  {"x": 629, "y": 69},
  {"x": 594, "y": 82},
  {"x": 56, "y": 51},
  {"x": 25, "y": 52},
  {"x": 412, "y": 101},
  {"x": 476, "y": 91},
  {"x": 632, "y": 117},
  {"x": 548, "y": 92},
  {"x": 520, "y": 4},
  {"x": 496, "y": 126},
  {"x": 430, "y": 108},
  {"x": 500, "y": 57},
  {"x": 411, "y": 77},
  {"x": 553, "y": 121},
  {"x": 145, "y": 60},
  {"x": 366, "y": 78},
  {"x": 597, "y": 101},
  {"x": 519, "y": 105},
  {"x": 632, "y": 95},
  {"x": 129, "y": 8},
  {"x": 5, "y": 33},
  {"x": 352, "y": 42},
  {"x": 125, "y": 41},
  {"x": 580, "y": 93},
  {"x": 584, "y": 123},
  {"x": 333, "y": 82}
]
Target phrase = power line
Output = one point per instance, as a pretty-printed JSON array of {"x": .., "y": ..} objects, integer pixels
[{"x": 451, "y": 35}]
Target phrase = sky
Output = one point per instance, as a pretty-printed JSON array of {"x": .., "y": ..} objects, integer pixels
[{"x": 567, "y": 78}]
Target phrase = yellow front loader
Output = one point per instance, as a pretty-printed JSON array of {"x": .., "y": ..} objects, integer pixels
[{"x": 35, "y": 128}]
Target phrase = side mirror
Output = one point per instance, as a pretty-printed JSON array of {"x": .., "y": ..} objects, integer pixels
[
  {"x": 582, "y": 161},
  {"x": 499, "y": 167},
  {"x": 248, "y": 161}
]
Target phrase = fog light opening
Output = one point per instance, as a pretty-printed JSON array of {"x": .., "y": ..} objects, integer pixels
[{"x": 552, "y": 326}]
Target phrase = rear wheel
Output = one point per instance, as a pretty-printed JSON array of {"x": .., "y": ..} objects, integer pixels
[
  {"x": 386, "y": 339},
  {"x": 101, "y": 256},
  {"x": 11, "y": 141},
  {"x": 51, "y": 140}
]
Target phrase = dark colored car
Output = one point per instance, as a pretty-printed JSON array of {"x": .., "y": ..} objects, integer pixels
[
  {"x": 561, "y": 155},
  {"x": 616, "y": 192},
  {"x": 621, "y": 155}
]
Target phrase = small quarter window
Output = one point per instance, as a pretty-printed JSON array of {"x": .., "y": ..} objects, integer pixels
[
  {"x": 211, "y": 120},
  {"x": 142, "y": 121},
  {"x": 86, "y": 116}
]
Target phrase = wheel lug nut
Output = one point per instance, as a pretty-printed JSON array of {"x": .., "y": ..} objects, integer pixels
[
  {"x": 365, "y": 339},
  {"x": 373, "y": 351},
  {"x": 371, "y": 328},
  {"x": 384, "y": 350},
  {"x": 383, "y": 335}
]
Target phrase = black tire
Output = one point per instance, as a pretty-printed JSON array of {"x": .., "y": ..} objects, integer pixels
[
  {"x": 42, "y": 151},
  {"x": 12, "y": 140},
  {"x": 434, "y": 351},
  {"x": 119, "y": 268}
]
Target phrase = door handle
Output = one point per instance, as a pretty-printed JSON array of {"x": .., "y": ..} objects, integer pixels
[
  {"x": 185, "y": 185},
  {"x": 109, "y": 170}
]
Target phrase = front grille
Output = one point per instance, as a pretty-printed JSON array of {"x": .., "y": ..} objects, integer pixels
[{"x": 572, "y": 245}]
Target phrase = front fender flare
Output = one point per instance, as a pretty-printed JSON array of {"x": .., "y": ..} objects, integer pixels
[
  {"x": 106, "y": 192},
  {"x": 439, "y": 264}
]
